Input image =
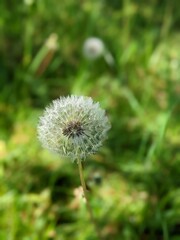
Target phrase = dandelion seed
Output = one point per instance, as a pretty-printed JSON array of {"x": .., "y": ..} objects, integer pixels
[{"x": 73, "y": 127}]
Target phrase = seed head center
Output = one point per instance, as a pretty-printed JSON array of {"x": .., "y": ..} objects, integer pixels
[{"x": 73, "y": 129}]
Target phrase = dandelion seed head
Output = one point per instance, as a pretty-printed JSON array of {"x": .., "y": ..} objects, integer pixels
[
  {"x": 93, "y": 48},
  {"x": 73, "y": 127}
]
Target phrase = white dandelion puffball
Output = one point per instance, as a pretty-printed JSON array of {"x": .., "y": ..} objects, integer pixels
[
  {"x": 93, "y": 48},
  {"x": 73, "y": 127}
]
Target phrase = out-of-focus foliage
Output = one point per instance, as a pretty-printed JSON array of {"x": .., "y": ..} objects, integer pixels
[{"x": 134, "y": 179}]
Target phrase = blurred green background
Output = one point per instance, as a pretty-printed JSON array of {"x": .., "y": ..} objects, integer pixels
[{"x": 134, "y": 179}]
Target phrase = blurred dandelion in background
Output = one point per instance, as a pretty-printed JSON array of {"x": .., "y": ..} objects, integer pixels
[
  {"x": 94, "y": 48},
  {"x": 73, "y": 126}
]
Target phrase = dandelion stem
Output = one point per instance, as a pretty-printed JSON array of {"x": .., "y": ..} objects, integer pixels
[{"x": 87, "y": 200}]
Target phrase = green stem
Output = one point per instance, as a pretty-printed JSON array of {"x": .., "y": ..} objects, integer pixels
[{"x": 87, "y": 200}]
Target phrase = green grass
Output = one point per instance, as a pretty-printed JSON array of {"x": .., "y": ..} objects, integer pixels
[{"x": 139, "y": 196}]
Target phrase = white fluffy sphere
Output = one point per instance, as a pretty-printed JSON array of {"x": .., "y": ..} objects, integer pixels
[{"x": 73, "y": 127}]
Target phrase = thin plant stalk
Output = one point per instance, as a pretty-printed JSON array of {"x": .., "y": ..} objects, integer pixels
[{"x": 87, "y": 200}]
